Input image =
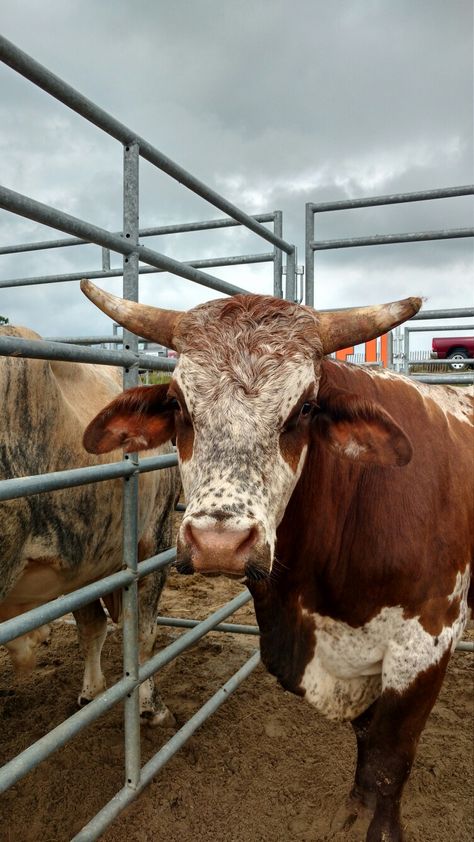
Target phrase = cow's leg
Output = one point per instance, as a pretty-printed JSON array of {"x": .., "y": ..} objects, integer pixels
[
  {"x": 387, "y": 740},
  {"x": 92, "y": 630},
  {"x": 361, "y": 726},
  {"x": 153, "y": 711}
]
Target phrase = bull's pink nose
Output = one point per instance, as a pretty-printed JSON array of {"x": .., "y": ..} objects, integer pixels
[{"x": 220, "y": 551}]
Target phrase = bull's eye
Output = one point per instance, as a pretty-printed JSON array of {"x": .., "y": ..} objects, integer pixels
[
  {"x": 174, "y": 405},
  {"x": 306, "y": 408}
]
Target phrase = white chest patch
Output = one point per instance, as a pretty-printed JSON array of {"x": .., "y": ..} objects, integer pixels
[{"x": 352, "y": 666}]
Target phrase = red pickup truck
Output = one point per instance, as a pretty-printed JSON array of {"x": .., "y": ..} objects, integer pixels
[{"x": 458, "y": 348}]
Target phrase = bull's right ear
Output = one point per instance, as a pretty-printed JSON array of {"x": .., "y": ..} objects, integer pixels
[{"x": 138, "y": 419}]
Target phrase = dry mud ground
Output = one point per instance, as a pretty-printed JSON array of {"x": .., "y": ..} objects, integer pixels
[{"x": 264, "y": 767}]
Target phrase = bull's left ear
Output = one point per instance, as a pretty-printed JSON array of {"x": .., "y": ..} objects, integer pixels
[
  {"x": 138, "y": 419},
  {"x": 360, "y": 430}
]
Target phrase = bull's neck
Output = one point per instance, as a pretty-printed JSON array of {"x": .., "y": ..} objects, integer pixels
[{"x": 315, "y": 551}]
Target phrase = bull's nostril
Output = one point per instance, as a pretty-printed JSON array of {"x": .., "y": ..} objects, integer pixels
[
  {"x": 248, "y": 540},
  {"x": 188, "y": 535}
]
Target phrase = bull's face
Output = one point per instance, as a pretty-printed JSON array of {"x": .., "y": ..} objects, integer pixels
[
  {"x": 243, "y": 406},
  {"x": 242, "y": 430}
]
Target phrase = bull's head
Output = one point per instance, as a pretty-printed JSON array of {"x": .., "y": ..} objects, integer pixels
[{"x": 243, "y": 403}]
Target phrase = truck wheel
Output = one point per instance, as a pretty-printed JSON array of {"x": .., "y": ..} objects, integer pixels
[{"x": 460, "y": 355}]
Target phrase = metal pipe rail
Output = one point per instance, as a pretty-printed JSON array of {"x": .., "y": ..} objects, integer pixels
[
  {"x": 438, "y": 363},
  {"x": 158, "y": 231},
  {"x": 100, "y": 822},
  {"x": 60, "y": 90},
  {"x": 374, "y": 201},
  {"x": 94, "y": 275},
  {"x": 49, "y": 611},
  {"x": 46, "y": 215},
  {"x": 127, "y": 244},
  {"x": 41, "y": 349},
  {"x": 15, "y": 769},
  {"x": 393, "y": 199},
  {"x": 452, "y": 313},
  {"x": 386, "y": 239},
  {"x": 11, "y": 489},
  {"x": 444, "y": 379},
  {"x": 185, "y": 623}
]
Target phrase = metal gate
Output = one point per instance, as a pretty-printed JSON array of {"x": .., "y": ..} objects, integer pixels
[{"x": 131, "y": 359}]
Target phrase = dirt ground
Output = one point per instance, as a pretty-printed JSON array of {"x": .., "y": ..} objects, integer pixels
[{"x": 264, "y": 767}]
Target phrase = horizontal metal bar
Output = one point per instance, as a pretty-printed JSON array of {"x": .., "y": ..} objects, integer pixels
[
  {"x": 188, "y": 638},
  {"x": 25, "y": 623},
  {"x": 445, "y": 379},
  {"x": 102, "y": 339},
  {"x": 58, "y": 88},
  {"x": 235, "y": 260},
  {"x": 111, "y": 810},
  {"x": 416, "y": 329},
  {"x": 42, "y": 748},
  {"x": 465, "y": 646},
  {"x": 393, "y": 199},
  {"x": 386, "y": 239},
  {"x": 40, "y": 349},
  {"x": 453, "y": 313},
  {"x": 182, "y": 622},
  {"x": 438, "y": 363},
  {"x": 202, "y": 225},
  {"x": 11, "y": 489},
  {"x": 156, "y": 562},
  {"x": 28, "y": 759},
  {"x": 49, "y": 611},
  {"x": 179, "y": 228},
  {"x": 47, "y": 215}
]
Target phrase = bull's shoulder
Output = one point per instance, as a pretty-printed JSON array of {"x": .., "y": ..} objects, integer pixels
[{"x": 401, "y": 395}]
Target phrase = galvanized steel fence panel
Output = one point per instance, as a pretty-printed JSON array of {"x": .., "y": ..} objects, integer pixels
[{"x": 127, "y": 244}]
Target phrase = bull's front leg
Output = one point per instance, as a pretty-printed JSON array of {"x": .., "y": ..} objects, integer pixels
[
  {"x": 92, "y": 630},
  {"x": 387, "y": 738},
  {"x": 153, "y": 710}
]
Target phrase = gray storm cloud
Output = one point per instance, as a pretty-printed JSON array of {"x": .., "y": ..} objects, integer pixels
[{"x": 273, "y": 104}]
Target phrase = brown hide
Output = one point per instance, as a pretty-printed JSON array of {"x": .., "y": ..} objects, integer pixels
[{"x": 356, "y": 538}]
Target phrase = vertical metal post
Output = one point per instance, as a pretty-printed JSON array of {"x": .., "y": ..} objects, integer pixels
[
  {"x": 390, "y": 340},
  {"x": 130, "y": 490},
  {"x": 105, "y": 260},
  {"x": 406, "y": 350},
  {"x": 291, "y": 276},
  {"x": 309, "y": 256},
  {"x": 278, "y": 257}
]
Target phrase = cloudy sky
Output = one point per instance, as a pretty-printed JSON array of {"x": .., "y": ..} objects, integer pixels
[{"x": 271, "y": 103}]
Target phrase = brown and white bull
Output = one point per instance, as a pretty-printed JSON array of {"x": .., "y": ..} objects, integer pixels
[
  {"x": 53, "y": 543},
  {"x": 345, "y": 496}
]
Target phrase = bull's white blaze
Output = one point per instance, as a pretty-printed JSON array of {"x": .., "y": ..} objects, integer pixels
[
  {"x": 236, "y": 464},
  {"x": 352, "y": 666}
]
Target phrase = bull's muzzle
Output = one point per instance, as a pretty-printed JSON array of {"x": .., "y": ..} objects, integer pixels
[{"x": 219, "y": 550}]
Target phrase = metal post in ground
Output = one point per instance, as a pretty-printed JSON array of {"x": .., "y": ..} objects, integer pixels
[
  {"x": 309, "y": 256},
  {"x": 130, "y": 486}
]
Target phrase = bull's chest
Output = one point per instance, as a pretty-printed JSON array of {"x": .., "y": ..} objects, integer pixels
[
  {"x": 343, "y": 676},
  {"x": 342, "y": 669}
]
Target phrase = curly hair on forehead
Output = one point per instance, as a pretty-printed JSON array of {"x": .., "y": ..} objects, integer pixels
[{"x": 252, "y": 324}]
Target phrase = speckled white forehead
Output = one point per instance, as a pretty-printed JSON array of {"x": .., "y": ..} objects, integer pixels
[{"x": 264, "y": 393}]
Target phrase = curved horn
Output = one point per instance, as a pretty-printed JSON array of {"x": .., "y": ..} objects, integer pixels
[
  {"x": 150, "y": 322},
  {"x": 343, "y": 328}
]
